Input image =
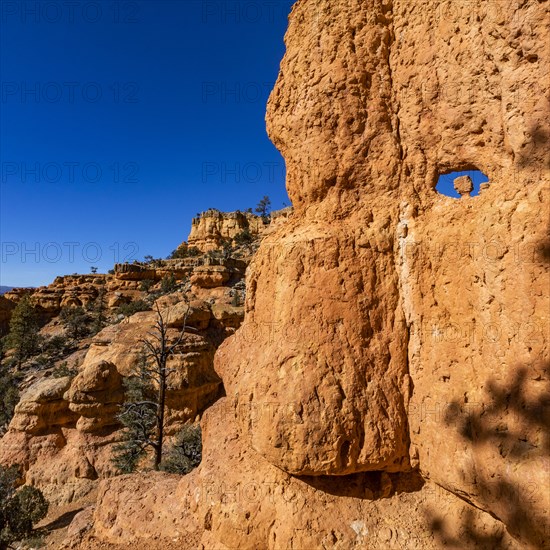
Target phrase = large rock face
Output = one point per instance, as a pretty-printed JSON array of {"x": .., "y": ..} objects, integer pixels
[
  {"x": 324, "y": 318},
  {"x": 375, "y": 100},
  {"x": 237, "y": 500},
  {"x": 390, "y": 329},
  {"x": 389, "y": 385}
]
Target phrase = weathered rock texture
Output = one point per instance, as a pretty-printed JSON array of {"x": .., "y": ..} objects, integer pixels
[
  {"x": 463, "y": 186},
  {"x": 242, "y": 501},
  {"x": 211, "y": 228},
  {"x": 377, "y": 100},
  {"x": 389, "y": 387},
  {"x": 391, "y": 331}
]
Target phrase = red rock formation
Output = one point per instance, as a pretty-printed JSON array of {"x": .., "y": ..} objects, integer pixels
[
  {"x": 389, "y": 385},
  {"x": 211, "y": 228},
  {"x": 389, "y": 328}
]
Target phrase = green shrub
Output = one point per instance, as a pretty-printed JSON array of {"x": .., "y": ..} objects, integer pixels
[
  {"x": 38, "y": 362},
  {"x": 227, "y": 248},
  {"x": 56, "y": 345},
  {"x": 168, "y": 284},
  {"x": 186, "y": 453},
  {"x": 76, "y": 321},
  {"x": 9, "y": 396},
  {"x": 179, "y": 253},
  {"x": 63, "y": 370},
  {"x": 98, "y": 312},
  {"x": 20, "y": 509},
  {"x": 23, "y": 336},
  {"x": 244, "y": 237},
  {"x": 146, "y": 284}
]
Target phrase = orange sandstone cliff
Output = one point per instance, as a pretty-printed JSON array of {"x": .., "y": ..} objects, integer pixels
[{"x": 389, "y": 385}]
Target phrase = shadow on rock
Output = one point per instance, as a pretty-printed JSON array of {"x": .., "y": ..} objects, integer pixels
[
  {"x": 515, "y": 421},
  {"x": 367, "y": 485},
  {"x": 62, "y": 521}
]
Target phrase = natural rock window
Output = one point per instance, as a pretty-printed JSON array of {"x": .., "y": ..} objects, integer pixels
[{"x": 462, "y": 184}]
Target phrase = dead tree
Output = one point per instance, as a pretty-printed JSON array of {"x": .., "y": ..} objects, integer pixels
[{"x": 144, "y": 411}]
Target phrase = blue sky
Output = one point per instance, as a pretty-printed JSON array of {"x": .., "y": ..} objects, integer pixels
[
  {"x": 119, "y": 121},
  {"x": 445, "y": 183}
]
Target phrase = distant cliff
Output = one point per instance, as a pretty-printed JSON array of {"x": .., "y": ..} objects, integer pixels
[{"x": 211, "y": 229}]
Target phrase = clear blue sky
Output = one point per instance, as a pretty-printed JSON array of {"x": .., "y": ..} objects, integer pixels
[
  {"x": 119, "y": 121},
  {"x": 445, "y": 183}
]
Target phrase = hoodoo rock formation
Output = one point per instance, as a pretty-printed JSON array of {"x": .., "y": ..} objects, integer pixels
[
  {"x": 211, "y": 228},
  {"x": 64, "y": 429},
  {"x": 389, "y": 385}
]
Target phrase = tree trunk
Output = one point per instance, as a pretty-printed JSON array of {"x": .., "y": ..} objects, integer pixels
[{"x": 160, "y": 415}]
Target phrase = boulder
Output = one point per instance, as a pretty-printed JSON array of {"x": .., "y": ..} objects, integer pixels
[
  {"x": 463, "y": 185},
  {"x": 210, "y": 276},
  {"x": 42, "y": 408}
]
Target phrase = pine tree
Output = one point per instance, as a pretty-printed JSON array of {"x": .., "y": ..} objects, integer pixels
[
  {"x": 98, "y": 311},
  {"x": 76, "y": 321},
  {"x": 9, "y": 397},
  {"x": 19, "y": 508},
  {"x": 23, "y": 336},
  {"x": 264, "y": 207}
]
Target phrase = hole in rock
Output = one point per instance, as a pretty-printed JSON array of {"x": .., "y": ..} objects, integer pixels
[{"x": 450, "y": 186}]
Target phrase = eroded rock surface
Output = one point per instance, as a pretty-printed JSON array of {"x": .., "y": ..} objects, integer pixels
[
  {"x": 64, "y": 429},
  {"x": 389, "y": 385},
  {"x": 391, "y": 331},
  {"x": 212, "y": 228}
]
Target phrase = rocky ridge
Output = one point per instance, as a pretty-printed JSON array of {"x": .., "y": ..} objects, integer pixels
[{"x": 64, "y": 428}]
